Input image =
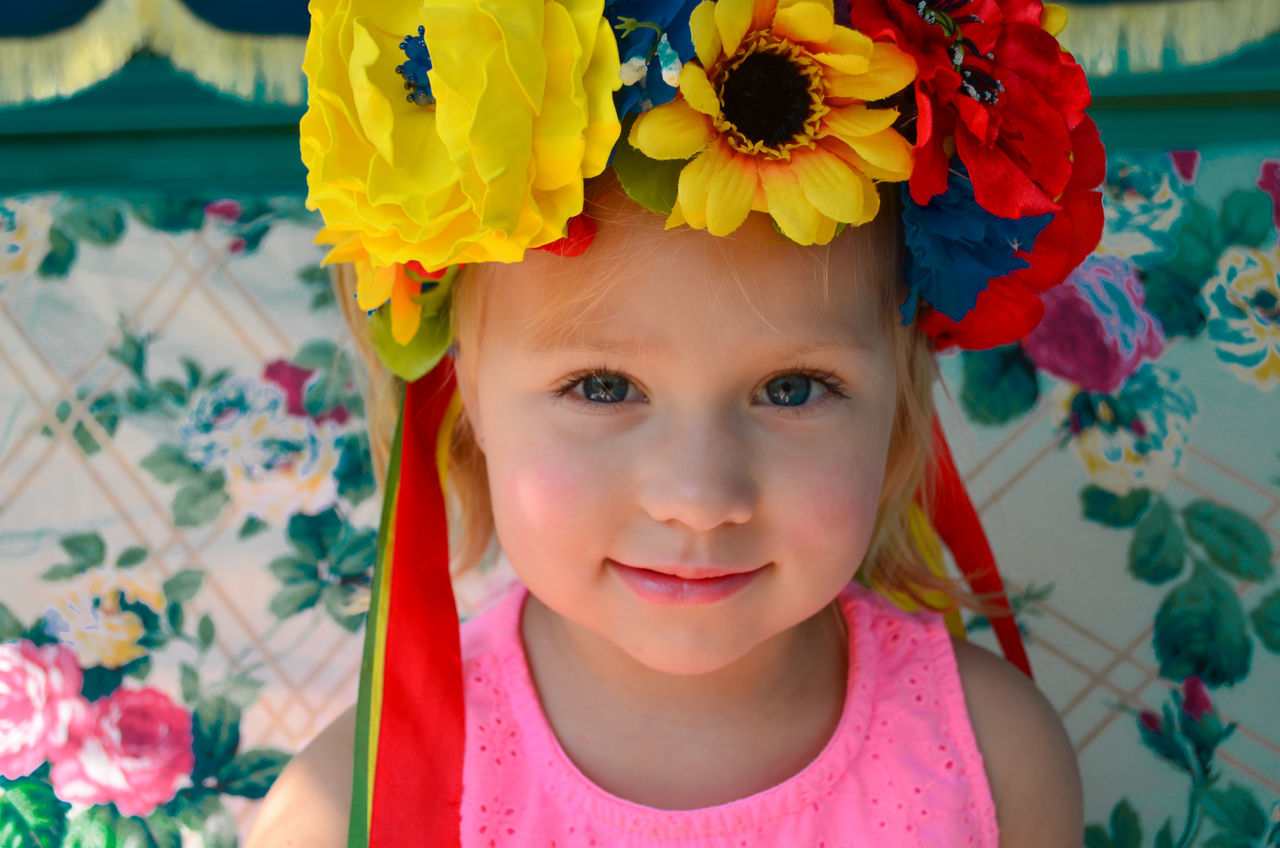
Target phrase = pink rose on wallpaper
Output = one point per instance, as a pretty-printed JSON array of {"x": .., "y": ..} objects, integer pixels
[
  {"x": 292, "y": 380},
  {"x": 137, "y": 753},
  {"x": 1096, "y": 330},
  {"x": 1269, "y": 182},
  {"x": 41, "y": 711}
]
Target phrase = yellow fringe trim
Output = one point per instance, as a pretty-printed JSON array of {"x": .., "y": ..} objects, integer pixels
[
  {"x": 1199, "y": 31},
  {"x": 265, "y": 68}
]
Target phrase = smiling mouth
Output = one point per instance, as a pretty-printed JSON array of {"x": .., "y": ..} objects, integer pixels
[{"x": 666, "y": 588}]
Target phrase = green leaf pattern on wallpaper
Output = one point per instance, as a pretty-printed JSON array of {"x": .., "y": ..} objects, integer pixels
[
  {"x": 135, "y": 734},
  {"x": 269, "y": 463},
  {"x": 1172, "y": 268}
]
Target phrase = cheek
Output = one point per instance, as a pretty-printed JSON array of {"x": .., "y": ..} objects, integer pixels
[{"x": 548, "y": 490}]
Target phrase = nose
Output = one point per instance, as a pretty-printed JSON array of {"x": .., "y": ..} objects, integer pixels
[{"x": 700, "y": 475}]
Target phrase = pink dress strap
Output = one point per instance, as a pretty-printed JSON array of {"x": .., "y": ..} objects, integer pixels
[{"x": 901, "y": 768}]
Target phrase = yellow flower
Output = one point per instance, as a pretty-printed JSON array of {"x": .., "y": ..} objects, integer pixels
[
  {"x": 774, "y": 113},
  {"x": 484, "y": 162}
]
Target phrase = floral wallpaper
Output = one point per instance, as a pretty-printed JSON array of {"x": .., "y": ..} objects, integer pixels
[{"x": 188, "y": 511}]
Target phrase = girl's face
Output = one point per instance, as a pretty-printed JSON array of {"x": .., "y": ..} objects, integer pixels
[{"x": 713, "y": 410}]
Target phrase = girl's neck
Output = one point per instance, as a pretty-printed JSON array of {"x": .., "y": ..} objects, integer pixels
[{"x": 688, "y": 741}]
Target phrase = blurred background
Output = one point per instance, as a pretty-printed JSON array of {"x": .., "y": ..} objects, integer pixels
[{"x": 187, "y": 502}]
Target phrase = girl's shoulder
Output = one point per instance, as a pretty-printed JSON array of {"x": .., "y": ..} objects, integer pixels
[
  {"x": 1029, "y": 760},
  {"x": 310, "y": 802}
]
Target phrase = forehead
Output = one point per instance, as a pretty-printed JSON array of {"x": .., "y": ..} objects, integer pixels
[{"x": 639, "y": 283}]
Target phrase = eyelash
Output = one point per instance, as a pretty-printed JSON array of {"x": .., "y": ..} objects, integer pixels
[{"x": 827, "y": 379}]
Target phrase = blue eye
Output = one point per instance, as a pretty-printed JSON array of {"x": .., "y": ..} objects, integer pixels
[
  {"x": 789, "y": 390},
  {"x": 605, "y": 388}
]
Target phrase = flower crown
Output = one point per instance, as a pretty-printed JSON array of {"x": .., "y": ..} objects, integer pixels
[{"x": 444, "y": 133}]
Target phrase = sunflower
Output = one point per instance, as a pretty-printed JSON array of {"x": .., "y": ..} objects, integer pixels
[{"x": 774, "y": 117}]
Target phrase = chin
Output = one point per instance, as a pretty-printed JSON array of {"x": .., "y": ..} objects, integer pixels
[{"x": 686, "y": 661}]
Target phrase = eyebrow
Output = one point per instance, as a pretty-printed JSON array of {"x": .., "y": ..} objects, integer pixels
[{"x": 611, "y": 346}]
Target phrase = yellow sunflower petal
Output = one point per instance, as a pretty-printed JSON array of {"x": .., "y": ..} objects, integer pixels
[
  {"x": 889, "y": 71},
  {"x": 730, "y": 192},
  {"x": 846, "y": 50},
  {"x": 702, "y": 27},
  {"x": 405, "y": 314},
  {"x": 793, "y": 213},
  {"x": 691, "y": 191},
  {"x": 853, "y": 160},
  {"x": 887, "y": 151},
  {"x": 671, "y": 131},
  {"x": 834, "y": 189},
  {"x": 706, "y": 37},
  {"x": 1053, "y": 18},
  {"x": 374, "y": 285},
  {"x": 733, "y": 19},
  {"x": 698, "y": 91},
  {"x": 804, "y": 20},
  {"x": 856, "y": 121}
]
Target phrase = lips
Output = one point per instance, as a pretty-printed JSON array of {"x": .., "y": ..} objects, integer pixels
[{"x": 681, "y": 585}]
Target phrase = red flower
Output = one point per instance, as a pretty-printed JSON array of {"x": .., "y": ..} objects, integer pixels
[
  {"x": 581, "y": 232},
  {"x": 1195, "y": 698},
  {"x": 1150, "y": 721}
]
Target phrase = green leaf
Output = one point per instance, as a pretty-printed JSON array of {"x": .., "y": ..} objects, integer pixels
[
  {"x": 354, "y": 472},
  {"x": 65, "y": 571},
  {"x": 288, "y": 569},
  {"x": 1112, "y": 510},
  {"x": 1266, "y": 621},
  {"x": 337, "y": 602},
  {"x": 1126, "y": 831},
  {"x": 162, "y": 831},
  {"x": 355, "y": 556},
  {"x": 95, "y": 221},
  {"x": 31, "y": 816},
  {"x": 200, "y": 501},
  {"x": 1246, "y": 218},
  {"x": 1095, "y": 836},
  {"x": 1157, "y": 550},
  {"x": 1198, "y": 242},
  {"x": 138, "y": 669},
  {"x": 189, "y": 682},
  {"x": 426, "y": 348},
  {"x": 10, "y": 627},
  {"x": 316, "y": 355},
  {"x": 84, "y": 439},
  {"x": 183, "y": 586},
  {"x": 175, "y": 616},
  {"x": 87, "y": 548},
  {"x": 62, "y": 254},
  {"x": 1236, "y": 810},
  {"x": 130, "y": 557},
  {"x": 1234, "y": 542},
  {"x": 205, "y": 632},
  {"x": 998, "y": 385},
  {"x": 93, "y": 828},
  {"x": 251, "y": 774},
  {"x": 99, "y": 681},
  {"x": 1200, "y": 629},
  {"x": 295, "y": 598},
  {"x": 215, "y": 728},
  {"x": 313, "y": 535},
  {"x": 171, "y": 213},
  {"x": 650, "y": 182},
  {"x": 1164, "y": 839},
  {"x": 253, "y": 525},
  {"x": 169, "y": 464}
]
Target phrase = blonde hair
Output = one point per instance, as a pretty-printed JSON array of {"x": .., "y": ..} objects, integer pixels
[{"x": 893, "y": 561}]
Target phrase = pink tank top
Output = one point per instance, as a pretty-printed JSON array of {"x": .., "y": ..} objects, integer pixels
[{"x": 902, "y": 767}]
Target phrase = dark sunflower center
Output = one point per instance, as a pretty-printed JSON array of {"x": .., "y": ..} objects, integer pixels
[{"x": 766, "y": 98}]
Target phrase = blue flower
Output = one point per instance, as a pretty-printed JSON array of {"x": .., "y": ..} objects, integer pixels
[
  {"x": 954, "y": 247},
  {"x": 653, "y": 43}
]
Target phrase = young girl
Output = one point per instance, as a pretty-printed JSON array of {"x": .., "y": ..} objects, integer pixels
[{"x": 687, "y": 439}]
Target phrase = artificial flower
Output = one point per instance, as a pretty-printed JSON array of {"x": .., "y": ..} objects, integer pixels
[
  {"x": 954, "y": 247},
  {"x": 1096, "y": 330},
  {"x": 486, "y": 153},
  {"x": 653, "y": 45},
  {"x": 1242, "y": 301},
  {"x": 773, "y": 117}
]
